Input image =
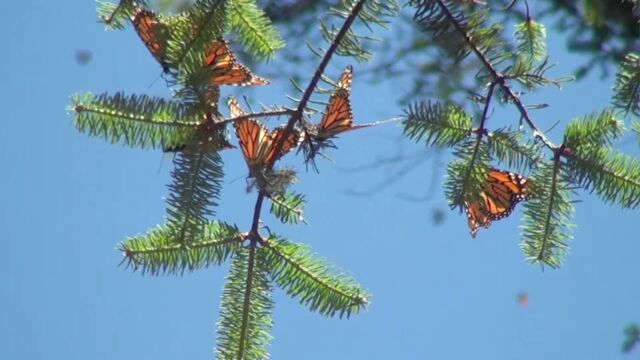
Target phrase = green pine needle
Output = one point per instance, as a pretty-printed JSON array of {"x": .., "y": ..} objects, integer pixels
[
  {"x": 302, "y": 274},
  {"x": 195, "y": 189},
  {"x": 288, "y": 207},
  {"x": 594, "y": 130},
  {"x": 626, "y": 90},
  {"x": 117, "y": 16},
  {"x": 547, "y": 216},
  {"x": 614, "y": 177},
  {"x": 245, "y": 319},
  {"x": 508, "y": 148},
  {"x": 134, "y": 120},
  {"x": 467, "y": 176},
  {"x": 192, "y": 34},
  {"x": 531, "y": 39},
  {"x": 254, "y": 28},
  {"x": 158, "y": 253},
  {"x": 373, "y": 13},
  {"x": 631, "y": 338},
  {"x": 437, "y": 124},
  {"x": 635, "y": 126}
]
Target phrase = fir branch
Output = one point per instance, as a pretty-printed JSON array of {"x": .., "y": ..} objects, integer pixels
[
  {"x": 304, "y": 275},
  {"x": 467, "y": 175},
  {"x": 195, "y": 188},
  {"x": 531, "y": 39},
  {"x": 635, "y": 126},
  {"x": 594, "y": 130},
  {"x": 531, "y": 76},
  {"x": 192, "y": 34},
  {"x": 158, "y": 253},
  {"x": 631, "y": 338},
  {"x": 254, "y": 28},
  {"x": 508, "y": 147},
  {"x": 437, "y": 124},
  {"x": 472, "y": 163},
  {"x": 288, "y": 208},
  {"x": 374, "y": 12},
  {"x": 245, "y": 320},
  {"x": 443, "y": 16},
  {"x": 116, "y": 16},
  {"x": 547, "y": 216},
  {"x": 626, "y": 90},
  {"x": 302, "y": 104},
  {"x": 614, "y": 177},
  {"x": 135, "y": 120}
]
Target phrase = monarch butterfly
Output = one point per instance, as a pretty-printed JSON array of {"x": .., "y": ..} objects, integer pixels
[
  {"x": 258, "y": 146},
  {"x": 226, "y": 70},
  {"x": 151, "y": 31},
  {"x": 338, "y": 116},
  {"x": 502, "y": 192}
]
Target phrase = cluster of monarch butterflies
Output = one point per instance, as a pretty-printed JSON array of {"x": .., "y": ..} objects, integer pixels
[
  {"x": 225, "y": 69},
  {"x": 502, "y": 192},
  {"x": 260, "y": 147},
  {"x": 257, "y": 144}
]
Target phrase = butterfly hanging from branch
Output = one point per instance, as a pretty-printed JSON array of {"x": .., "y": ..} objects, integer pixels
[
  {"x": 219, "y": 61},
  {"x": 337, "y": 118},
  {"x": 503, "y": 191}
]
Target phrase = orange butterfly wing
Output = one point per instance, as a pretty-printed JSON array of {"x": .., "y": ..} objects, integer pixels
[
  {"x": 225, "y": 69},
  {"x": 150, "y": 31},
  {"x": 503, "y": 191},
  {"x": 476, "y": 218},
  {"x": 289, "y": 143},
  {"x": 338, "y": 116}
]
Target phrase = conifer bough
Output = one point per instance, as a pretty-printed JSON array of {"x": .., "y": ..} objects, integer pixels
[{"x": 192, "y": 124}]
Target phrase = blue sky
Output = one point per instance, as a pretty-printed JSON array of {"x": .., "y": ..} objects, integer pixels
[{"x": 68, "y": 200}]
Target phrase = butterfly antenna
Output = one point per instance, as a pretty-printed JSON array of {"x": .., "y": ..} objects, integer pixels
[
  {"x": 236, "y": 179},
  {"x": 246, "y": 102},
  {"x": 156, "y": 79}
]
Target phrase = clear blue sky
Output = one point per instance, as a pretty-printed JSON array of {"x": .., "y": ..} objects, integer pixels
[{"x": 68, "y": 199}]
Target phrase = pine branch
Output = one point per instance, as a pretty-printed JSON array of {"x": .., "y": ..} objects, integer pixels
[
  {"x": 444, "y": 17},
  {"x": 635, "y": 126},
  {"x": 134, "y": 120},
  {"x": 547, "y": 216},
  {"x": 195, "y": 188},
  {"x": 531, "y": 76},
  {"x": 158, "y": 253},
  {"x": 192, "y": 35},
  {"x": 437, "y": 124},
  {"x": 254, "y": 28},
  {"x": 245, "y": 320},
  {"x": 508, "y": 147},
  {"x": 594, "y": 130},
  {"x": 627, "y": 87},
  {"x": 288, "y": 207},
  {"x": 614, "y": 177},
  {"x": 373, "y": 13},
  {"x": 467, "y": 175},
  {"x": 116, "y": 16},
  {"x": 531, "y": 41},
  {"x": 631, "y": 338},
  {"x": 303, "y": 275},
  {"x": 306, "y": 96}
]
